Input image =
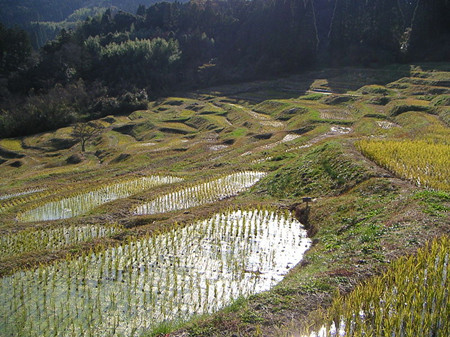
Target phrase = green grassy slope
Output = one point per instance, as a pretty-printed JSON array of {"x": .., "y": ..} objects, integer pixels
[{"x": 362, "y": 217}]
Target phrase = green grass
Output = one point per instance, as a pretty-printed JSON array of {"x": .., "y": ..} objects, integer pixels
[
  {"x": 362, "y": 217},
  {"x": 11, "y": 144},
  {"x": 435, "y": 202},
  {"x": 175, "y": 127},
  {"x": 323, "y": 170},
  {"x": 238, "y": 132},
  {"x": 162, "y": 329},
  {"x": 312, "y": 97},
  {"x": 417, "y": 123},
  {"x": 272, "y": 107},
  {"x": 441, "y": 100},
  {"x": 207, "y": 122},
  {"x": 211, "y": 109},
  {"x": 375, "y": 90}
]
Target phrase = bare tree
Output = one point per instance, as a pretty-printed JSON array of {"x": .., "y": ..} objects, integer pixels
[{"x": 83, "y": 132}]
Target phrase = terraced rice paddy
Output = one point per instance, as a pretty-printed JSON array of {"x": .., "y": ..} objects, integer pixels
[
  {"x": 84, "y": 202},
  {"x": 425, "y": 163},
  {"x": 411, "y": 299},
  {"x": 8, "y": 201},
  {"x": 18, "y": 194},
  {"x": 201, "y": 194},
  {"x": 32, "y": 240},
  {"x": 154, "y": 271},
  {"x": 125, "y": 290}
]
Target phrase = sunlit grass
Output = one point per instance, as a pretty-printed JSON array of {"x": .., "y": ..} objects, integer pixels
[
  {"x": 410, "y": 299},
  {"x": 423, "y": 162},
  {"x": 11, "y": 144}
]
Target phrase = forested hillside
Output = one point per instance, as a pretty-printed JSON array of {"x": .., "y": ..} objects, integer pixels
[
  {"x": 113, "y": 62},
  {"x": 43, "y": 19}
]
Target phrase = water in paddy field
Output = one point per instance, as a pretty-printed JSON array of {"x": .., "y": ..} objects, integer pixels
[
  {"x": 129, "y": 289},
  {"x": 202, "y": 194},
  {"x": 85, "y": 202},
  {"x": 18, "y": 194},
  {"x": 50, "y": 239}
]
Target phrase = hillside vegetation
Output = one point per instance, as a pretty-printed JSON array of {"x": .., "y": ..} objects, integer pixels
[
  {"x": 368, "y": 146},
  {"x": 115, "y": 62},
  {"x": 44, "y": 19}
]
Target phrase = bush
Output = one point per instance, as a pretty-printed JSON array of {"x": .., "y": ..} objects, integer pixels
[{"x": 124, "y": 104}]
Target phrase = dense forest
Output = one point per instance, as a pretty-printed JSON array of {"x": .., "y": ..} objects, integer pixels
[
  {"x": 115, "y": 61},
  {"x": 43, "y": 19}
]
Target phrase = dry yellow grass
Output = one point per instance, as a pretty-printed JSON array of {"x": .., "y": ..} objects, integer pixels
[
  {"x": 423, "y": 162},
  {"x": 410, "y": 299}
]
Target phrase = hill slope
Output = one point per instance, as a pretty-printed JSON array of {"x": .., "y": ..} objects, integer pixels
[{"x": 305, "y": 132}]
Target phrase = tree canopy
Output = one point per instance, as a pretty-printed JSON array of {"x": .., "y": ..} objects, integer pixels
[{"x": 173, "y": 46}]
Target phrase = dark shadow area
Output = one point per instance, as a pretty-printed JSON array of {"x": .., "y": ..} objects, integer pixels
[{"x": 350, "y": 79}]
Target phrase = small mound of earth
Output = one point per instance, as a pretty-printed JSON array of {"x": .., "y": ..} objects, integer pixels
[
  {"x": 337, "y": 99},
  {"x": 102, "y": 154},
  {"x": 174, "y": 103},
  {"x": 126, "y": 129},
  {"x": 121, "y": 157},
  {"x": 16, "y": 163},
  {"x": 379, "y": 100},
  {"x": 61, "y": 143},
  {"x": 109, "y": 119},
  {"x": 173, "y": 131},
  {"x": 229, "y": 141},
  {"x": 74, "y": 159},
  {"x": 303, "y": 130},
  {"x": 263, "y": 136},
  {"x": 10, "y": 154}
]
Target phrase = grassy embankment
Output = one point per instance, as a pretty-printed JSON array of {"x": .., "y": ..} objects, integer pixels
[{"x": 363, "y": 216}]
